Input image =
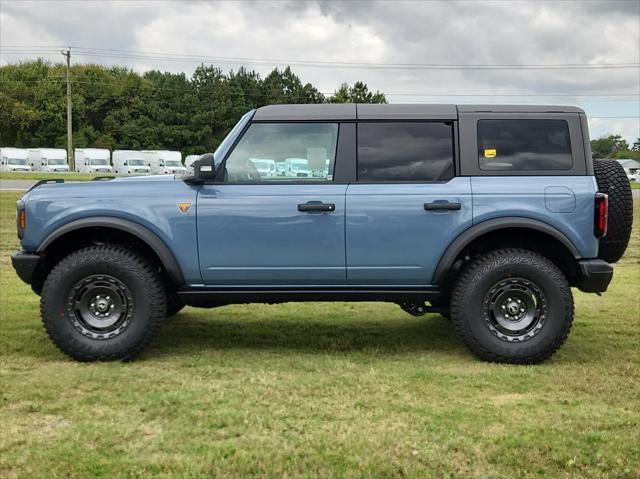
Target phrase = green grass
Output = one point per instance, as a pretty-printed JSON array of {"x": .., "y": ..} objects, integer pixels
[
  {"x": 320, "y": 390},
  {"x": 634, "y": 185},
  {"x": 36, "y": 175}
]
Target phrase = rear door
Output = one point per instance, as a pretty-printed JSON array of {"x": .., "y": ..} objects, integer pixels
[
  {"x": 258, "y": 229},
  {"x": 407, "y": 204}
]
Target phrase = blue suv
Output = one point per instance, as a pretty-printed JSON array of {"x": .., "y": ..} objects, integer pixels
[{"x": 487, "y": 215}]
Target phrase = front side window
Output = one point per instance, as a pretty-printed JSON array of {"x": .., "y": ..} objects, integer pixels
[
  {"x": 524, "y": 145},
  {"x": 285, "y": 152},
  {"x": 405, "y": 151},
  {"x": 98, "y": 161}
]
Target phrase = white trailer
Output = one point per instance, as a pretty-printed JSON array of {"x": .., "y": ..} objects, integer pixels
[
  {"x": 188, "y": 162},
  {"x": 48, "y": 159},
  {"x": 14, "y": 159},
  {"x": 163, "y": 162},
  {"x": 92, "y": 160},
  {"x": 129, "y": 162}
]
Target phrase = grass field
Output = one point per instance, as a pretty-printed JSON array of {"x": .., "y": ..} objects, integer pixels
[{"x": 321, "y": 390}]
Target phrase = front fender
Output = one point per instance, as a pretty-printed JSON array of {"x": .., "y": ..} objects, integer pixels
[{"x": 146, "y": 208}]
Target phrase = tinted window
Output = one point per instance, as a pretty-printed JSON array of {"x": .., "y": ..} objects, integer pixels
[
  {"x": 524, "y": 145},
  {"x": 405, "y": 151},
  {"x": 284, "y": 151}
]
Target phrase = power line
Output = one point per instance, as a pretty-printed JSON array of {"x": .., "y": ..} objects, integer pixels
[
  {"x": 135, "y": 84},
  {"x": 174, "y": 57}
]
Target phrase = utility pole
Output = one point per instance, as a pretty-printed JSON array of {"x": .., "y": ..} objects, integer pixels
[{"x": 72, "y": 163}]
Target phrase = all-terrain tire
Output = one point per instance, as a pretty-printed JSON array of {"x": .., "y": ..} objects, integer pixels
[
  {"x": 174, "y": 305},
  {"x": 613, "y": 181},
  {"x": 512, "y": 274},
  {"x": 134, "y": 289}
]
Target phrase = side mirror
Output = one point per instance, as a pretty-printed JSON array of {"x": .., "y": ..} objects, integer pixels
[{"x": 204, "y": 168}]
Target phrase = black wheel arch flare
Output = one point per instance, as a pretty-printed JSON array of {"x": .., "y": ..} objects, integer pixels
[{"x": 157, "y": 245}]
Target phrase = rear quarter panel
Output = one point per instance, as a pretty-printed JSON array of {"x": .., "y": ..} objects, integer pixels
[{"x": 564, "y": 202}]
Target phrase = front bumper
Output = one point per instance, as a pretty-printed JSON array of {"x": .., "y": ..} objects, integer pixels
[
  {"x": 25, "y": 264},
  {"x": 594, "y": 275}
]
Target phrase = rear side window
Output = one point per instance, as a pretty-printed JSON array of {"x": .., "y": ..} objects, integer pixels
[
  {"x": 405, "y": 151},
  {"x": 524, "y": 145}
]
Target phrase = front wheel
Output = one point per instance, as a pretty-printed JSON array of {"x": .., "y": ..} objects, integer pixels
[
  {"x": 103, "y": 303},
  {"x": 512, "y": 306}
]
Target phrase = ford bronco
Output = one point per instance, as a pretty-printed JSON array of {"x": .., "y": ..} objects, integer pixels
[{"x": 487, "y": 215}]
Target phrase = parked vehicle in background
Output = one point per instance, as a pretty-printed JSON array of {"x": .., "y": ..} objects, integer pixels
[
  {"x": 281, "y": 168},
  {"x": 129, "y": 162},
  {"x": 266, "y": 168},
  {"x": 488, "y": 215},
  {"x": 92, "y": 160},
  {"x": 48, "y": 159},
  {"x": 14, "y": 159},
  {"x": 188, "y": 163},
  {"x": 297, "y": 168},
  {"x": 631, "y": 167},
  {"x": 164, "y": 162}
]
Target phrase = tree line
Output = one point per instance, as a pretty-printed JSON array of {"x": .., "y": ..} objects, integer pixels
[
  {"x": 616, "y": 147},
  {"x": 118, "y": 108}
]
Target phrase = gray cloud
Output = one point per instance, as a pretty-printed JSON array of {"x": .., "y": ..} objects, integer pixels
[{"x": 455, "y": 32}]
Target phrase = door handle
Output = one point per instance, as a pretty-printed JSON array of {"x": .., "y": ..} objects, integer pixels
[
  {"x": 312, "y": 207},
  {"x": 442, "y": 206}
]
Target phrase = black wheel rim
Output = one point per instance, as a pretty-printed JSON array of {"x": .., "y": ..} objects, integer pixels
[
  {"x": 515, "y": 309},
  {"x": 100, "y": 306}
]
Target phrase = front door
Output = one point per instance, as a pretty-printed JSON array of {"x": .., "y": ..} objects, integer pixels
[
  {"x": 406, "y": 206},
  {"x": 260, "y": 229}
]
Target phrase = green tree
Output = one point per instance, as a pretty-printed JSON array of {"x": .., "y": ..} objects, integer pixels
[
  {"x": 607, "y": 147},
  {"x": 358, "y": 93},
  {"x": 117, "y": 108}
]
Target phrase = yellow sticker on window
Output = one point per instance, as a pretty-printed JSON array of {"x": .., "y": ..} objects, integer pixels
[{"x": 489, "y": 152}]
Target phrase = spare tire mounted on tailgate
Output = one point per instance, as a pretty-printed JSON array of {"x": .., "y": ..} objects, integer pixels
[{"x": 613, "y": 181}]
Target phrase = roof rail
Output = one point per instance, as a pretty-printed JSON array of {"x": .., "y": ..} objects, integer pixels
[{"x": 44, "y": 182}]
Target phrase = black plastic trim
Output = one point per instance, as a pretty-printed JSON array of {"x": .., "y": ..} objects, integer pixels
[
  {"x": 150, "y": 238},
  {"x": 466, "y": 237},
  {"x": 442, "y": 206},
  {"x": 25, "y": 264},
  {"x": 46, "y": 182},
  {"x": 594, "y": 275},
  {"x": 212, "y": 296}
]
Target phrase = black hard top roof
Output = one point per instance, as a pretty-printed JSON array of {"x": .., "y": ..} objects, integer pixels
[{"x": 420, "y": 111}]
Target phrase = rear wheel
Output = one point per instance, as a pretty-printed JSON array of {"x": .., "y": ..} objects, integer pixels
[
  {"x": 512, "y": 306},
  {"x": 613, "y": 181},
  {"x": 102, "y": 303}
]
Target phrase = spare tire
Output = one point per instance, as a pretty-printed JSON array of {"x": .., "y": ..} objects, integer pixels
[{"x": 613, "y": 181}]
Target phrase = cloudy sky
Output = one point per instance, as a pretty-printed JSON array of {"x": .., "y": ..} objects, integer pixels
[{"x": 584, "y": 53}]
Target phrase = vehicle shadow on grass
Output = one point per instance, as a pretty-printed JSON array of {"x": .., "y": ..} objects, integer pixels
[{"x": 188, "y": 332}]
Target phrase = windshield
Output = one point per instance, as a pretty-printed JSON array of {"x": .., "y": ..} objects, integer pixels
[
  {"x": 57, "y": 161},
  {"x": 98, "y": 161},
  {"x": 228, "y": 141},
  {"x": 172, "y": 163},
  {"x": 136, "y": 163},
  {"x": 261, "y": 164},
  {"x": 16, "y": 161},
  {"x": 299, "y": 165}
]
